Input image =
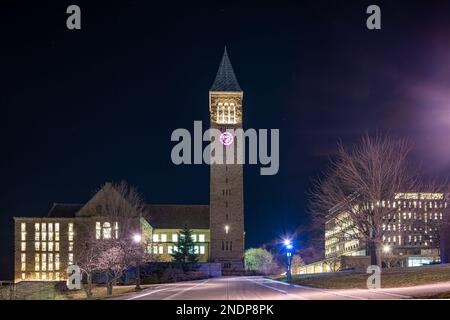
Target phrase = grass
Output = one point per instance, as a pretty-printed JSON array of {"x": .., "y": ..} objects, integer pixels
[
  {"x": 398, "y": 277},
  {"x": 99, "y": 292}
]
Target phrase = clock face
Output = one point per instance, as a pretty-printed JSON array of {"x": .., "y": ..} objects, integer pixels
[{"x": 226, "y": 138}]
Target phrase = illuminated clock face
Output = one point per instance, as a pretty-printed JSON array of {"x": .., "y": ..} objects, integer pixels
[{"x": 226, "y": 138}]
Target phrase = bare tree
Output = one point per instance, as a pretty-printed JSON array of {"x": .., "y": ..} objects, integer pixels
[
  {"x": 359, "y": 188},
  {"x": 120, "y": 209}
]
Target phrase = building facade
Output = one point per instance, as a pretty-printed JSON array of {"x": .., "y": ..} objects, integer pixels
[
  {"x": 46, "y": 246},
  {"x": 411, "y": 237}
]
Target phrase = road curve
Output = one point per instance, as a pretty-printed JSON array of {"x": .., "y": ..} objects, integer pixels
[{"x": 259, "y": 288}]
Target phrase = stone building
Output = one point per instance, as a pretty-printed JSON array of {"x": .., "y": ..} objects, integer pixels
[{"x": 45, "y": 247}]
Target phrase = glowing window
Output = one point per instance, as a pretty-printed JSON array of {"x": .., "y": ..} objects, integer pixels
[
  {"x": 155, "y": 237},
  {"x": 106, "y": 230},
  {"x": 163, "y": 237},
  {"x": 201, "y": 238},
  {"x": 44, "y": 262},
  {"x": 70, "y": 246},
  {"x": 50, "y": 246},
  {"x": 70, "y": 234},
  {"x": 57, "y": 261},
  {"x": 23, "y": 246},
  {"x": 50, "y": 262},
  {"x": 56, "y": 246},
  {"x": 175, "y": 237},
  {"x": 194, "y": 237},
  {"x": 202, "y": 249},
  {"x": 160, "y": 249},
  {"x": 37, "y": 246},
  {"x": 98, "y": 230},
  {"x": 70, "y": 258},
  {"x": 36, "y": 262}
]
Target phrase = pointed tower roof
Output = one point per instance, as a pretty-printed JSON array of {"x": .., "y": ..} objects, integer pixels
[{"x": 225, "y": 77}]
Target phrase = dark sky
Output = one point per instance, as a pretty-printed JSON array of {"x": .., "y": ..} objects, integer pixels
[{"x": 79, "y": 108}]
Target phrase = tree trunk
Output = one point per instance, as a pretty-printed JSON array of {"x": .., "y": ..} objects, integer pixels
[
  {"x": 109, "y": 284},
  {"x": 374, "y": 251},
  {"x": 89, "y": 286}
]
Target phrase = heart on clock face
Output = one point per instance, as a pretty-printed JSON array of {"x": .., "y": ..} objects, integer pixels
[{"x": 226, "y": 138}]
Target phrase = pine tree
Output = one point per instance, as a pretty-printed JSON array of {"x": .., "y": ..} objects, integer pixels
[{"x": 185, "y": 255}]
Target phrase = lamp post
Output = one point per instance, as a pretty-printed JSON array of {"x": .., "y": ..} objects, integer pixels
[
  {"x": 137, "y": 238},
  {"x": 289, "y": 247}
]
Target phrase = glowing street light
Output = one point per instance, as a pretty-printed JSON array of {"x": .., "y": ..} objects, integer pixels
[
  {"x": 289, "y": 247},
  {"x": 387, "y": 248},
  {"x": 137, "y": 238}
]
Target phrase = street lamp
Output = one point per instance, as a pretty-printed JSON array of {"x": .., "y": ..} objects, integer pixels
[
  {"x": 137, "y": 238},
  {"x": 386, "y": 248},
  {"x": 289, "y": 247}
]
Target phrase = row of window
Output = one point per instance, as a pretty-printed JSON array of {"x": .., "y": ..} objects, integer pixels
[
  {"x": 172, "y": 249},
  {"x": 106, "y": 231},
  {"x": 50, "y": 276},
  {"x": 162, "y": 237}
]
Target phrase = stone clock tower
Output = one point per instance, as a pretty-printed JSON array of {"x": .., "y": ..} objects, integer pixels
[{"x": 226, "y": 184}]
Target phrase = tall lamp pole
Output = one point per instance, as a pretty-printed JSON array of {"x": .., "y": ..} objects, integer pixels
[
  {"x": 137, "y": 238},
  {"x": 289, "y": 248}
]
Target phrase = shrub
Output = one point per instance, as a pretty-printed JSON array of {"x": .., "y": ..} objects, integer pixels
[{"x": 173, "y": 275}]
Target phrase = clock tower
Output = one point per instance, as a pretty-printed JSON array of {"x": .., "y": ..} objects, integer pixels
[{"x": 226, "y": 180}]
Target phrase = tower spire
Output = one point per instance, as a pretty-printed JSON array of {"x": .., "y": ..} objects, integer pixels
[{"x": 225, "y": 78}]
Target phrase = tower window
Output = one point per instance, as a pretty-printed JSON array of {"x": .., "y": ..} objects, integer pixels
[{"x": 226, "y": 113}]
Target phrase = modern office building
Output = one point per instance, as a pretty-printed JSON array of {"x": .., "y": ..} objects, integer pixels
[{"x": 411, "y": 236}]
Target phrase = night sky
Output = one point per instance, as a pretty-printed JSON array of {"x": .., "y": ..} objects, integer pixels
[{"x": 79, "y": 108}]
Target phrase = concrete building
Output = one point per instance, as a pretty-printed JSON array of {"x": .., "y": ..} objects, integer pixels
[
  {"x": 45, "y": 247},
  {"x": 412, "y": 236}
]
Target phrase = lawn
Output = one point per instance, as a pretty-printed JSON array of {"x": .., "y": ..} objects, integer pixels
[
  {"x": 99, "y": 292},
  {"x": 398, "y": 277}
]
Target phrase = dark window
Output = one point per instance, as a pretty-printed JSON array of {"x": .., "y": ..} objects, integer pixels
[
  {"x": 226, "y": 245},
  {"x": 223, "y": 246},
  {"x": 231, "y": 245}
]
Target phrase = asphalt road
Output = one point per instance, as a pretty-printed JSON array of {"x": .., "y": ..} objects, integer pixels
[{"x": 258, "y": 288}]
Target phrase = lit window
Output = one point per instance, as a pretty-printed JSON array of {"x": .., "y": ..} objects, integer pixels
[
  {"x": 202, "y": 249},
  {"x": 116, "y": 230},
  {"x": 50, "y": 276},
  {"x": 175, "y": 249},
  {"x": 70, "y": 246},
  {"x": 23, "y": 246},
  {"x": 70, "y": 258},
  {"x": 50, "y": 262},
  {"x": 57, "y": 262},
  {"x": 163, "y": 237},
  {"x": 56, "y": 231},
  {"x": 57, "y": 276},
  {"x": 50, "y": 246},
  {"x": 50, "y": 232},
  {"x": 161, "y": 249},
  {"x": 37, "y": 232},
  {"x": 170, "y": 250},
  {"x": 155, "y": 249},
  {"x": 23, "y": 227},
  {"x": 174, "y": 237},
  {"x": 70, "y": 235},
  {"x": 44, "y": 246},
  {"x": 201, "y": 238},
  {"x": 56, "y": 246},
  {"x": 37, "y": 275},
  {"x": 106, "y": 230},
  {"x": 196, "y": 249},
  {"x": 155, "y": 237},
  {"x": 98, "y": 230},
  {"x": 37, "y": 246},
  {"x": 23, "y": 236},
  {"x": 44, "y": 262},
  {"x": 194, "y": 237},
  {"x": 23, "y": 276},
  {"x": 36, "y": 262},
  {"x": 44, "y": 276},
  {"x": 23, "y": 260}
]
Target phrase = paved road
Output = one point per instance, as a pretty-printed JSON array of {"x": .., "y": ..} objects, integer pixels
[{"x": 258, "y": 288}]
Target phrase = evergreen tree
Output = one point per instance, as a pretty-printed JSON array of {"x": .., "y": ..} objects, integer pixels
[{"x": 185, "y": 255}]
